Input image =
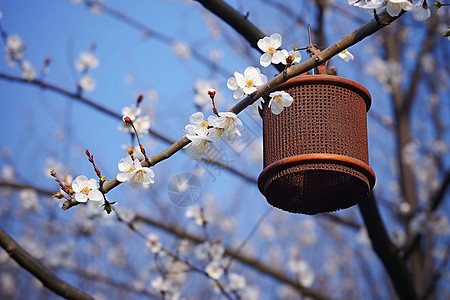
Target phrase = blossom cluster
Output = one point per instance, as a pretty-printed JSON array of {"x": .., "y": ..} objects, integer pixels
[
  {"x": 15, "y": 56},
  {"x": 86, "y": 62},
  {"x": 141, "y": 121},
  {"x": 419, "y": 8},
  {"x": 133, "y": 173},
  {"x": 247, "y": 83},
  {"x": 203, "y": 132}
]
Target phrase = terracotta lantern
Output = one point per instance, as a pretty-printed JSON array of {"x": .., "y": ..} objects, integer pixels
[{"x": 315, "y": 151}]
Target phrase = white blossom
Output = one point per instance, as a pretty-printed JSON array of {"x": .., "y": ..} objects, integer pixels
[
  {"x": 368, "y": 5},
  {"x": 134, "y": 173},
  {"x": 28, "y": 71},
  {"x": 214, "y": 270},
  {"x": 182, "y": 50},
  {"x": 29, "y": 199},
  {"x": 87, "y": 83},
  {"x": 86, "y": 189},
  {"x": 86, "y": 61},
  {"x": 304, "y": 273},
  {"x": 270, "y": 45},
  {"x": 420, "y": 10},
  {"x": 194, "y": 212},
  {"x": 142, "y": 124},
  {"x": 216, "y": 251},
  {"x": 153, "y": 243},
  {"x": 202, "y": 251},
  {"x": 346, "y": 55},
  {"x": 14, "y": 43},
  {"x": 132, "y": 111},
  {"x": 246, "y": 83},
  {"x": 162, "y": 285},
  {"x": 296, "y": 56},
  {"x": 200, "y": 146},
  {"x": 200, "y": 124},
  {"x": 394, "y": 7},
  {"x": 279, "y": 100},
  {"x": 228, "y": 121},
  {"x": 236, "y": 282},
  {"x": 8, "y": 173}
]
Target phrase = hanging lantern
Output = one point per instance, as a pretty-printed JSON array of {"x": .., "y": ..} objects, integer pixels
[{"x": 315, "y": 151}]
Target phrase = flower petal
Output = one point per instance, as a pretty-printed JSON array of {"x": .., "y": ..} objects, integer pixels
[
  {"x": 239, "y": 93},
  {"x": 232, "y": 83},
  {"x": 279, "y": 56},
  {"x": 263, "y": 43},
  {"x": 265, "y": 60},
  {"x": 80, "y": 197},
  {"x": 95, "y": 195},
  {"x": 122, "y": 177},
  {"x": 276, "y": 40}
]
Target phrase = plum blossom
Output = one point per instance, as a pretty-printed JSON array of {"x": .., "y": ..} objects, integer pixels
[
  {"x": 87, "y": 83},
  {"x": 182, "y": 50},
  {"x": 214, "y": 270},
  {"x": 86, "y": 189},
  {"x": 296, "y": 56},
  {"x": 134, "y": 173},
  {"x": 29, "y": 199},
  {"x": 227, "y": 122},
  {"x": 14, "y": 49},
  {"x": 346, "y": 55},
  {"x": 394, "y": 7},
  {"x": 246, "y": 83},
  {"x": 236, "y": 282},
  {"x": 200, "y": 144},
  {"x": 162, "y": 284},
  {"x": 279, "y": 100},
  {"x": 202, "y": 251},
  {"x": 270, "y": 45},
  {"x": 28, "y": 71},
  {"x": 368, "y": 5},
  {"x": 420, "y": 10},
  {"x": 201, "y": 125},
  {"x": 86, "y": 61},
  {"x": 140, "y": 121},
  {"x": 132, "y": 111},
  {"x": 195, "y": 213},
  {"x": 153, "y": 243},
  {"x": 305, "y": 274},
  {"x": 142, "y": 124}
]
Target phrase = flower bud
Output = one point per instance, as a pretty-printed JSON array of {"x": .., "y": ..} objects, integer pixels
[
  {"x": 127, "y": 119},
  {"x": 212, "y": 93}
]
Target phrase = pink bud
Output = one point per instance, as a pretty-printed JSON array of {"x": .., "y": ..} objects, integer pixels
[
  {"x": 212, "y": 93},
  {"x": 127, "y": 119}
]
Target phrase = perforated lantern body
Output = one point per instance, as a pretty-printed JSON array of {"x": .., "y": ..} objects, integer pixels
[{"x": 316, "y": 152}]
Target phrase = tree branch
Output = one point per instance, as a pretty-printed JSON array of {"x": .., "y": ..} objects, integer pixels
[
  {"x": 388, "y": 253},
  {"x": 163, "y": 155},
  {"x": 252, "y": 263},
  {"x": 33, "y": 266}
]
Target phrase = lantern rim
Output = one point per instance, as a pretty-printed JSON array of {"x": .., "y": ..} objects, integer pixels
[{"x": 317, "y": 158}]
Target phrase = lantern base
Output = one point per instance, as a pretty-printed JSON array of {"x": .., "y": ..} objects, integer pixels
[{"x": 316, "y": 183}]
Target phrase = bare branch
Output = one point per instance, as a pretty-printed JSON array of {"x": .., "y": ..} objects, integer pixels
[{"x": 33, "y": 266}]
